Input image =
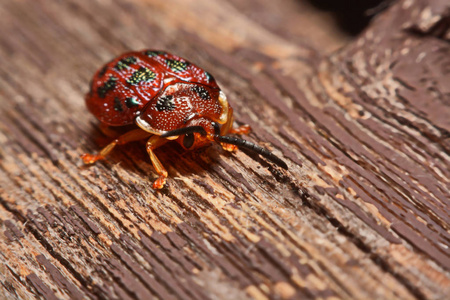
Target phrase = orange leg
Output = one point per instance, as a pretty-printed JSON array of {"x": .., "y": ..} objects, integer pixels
[
  {"x": 244, "y": 129},
  {"x": 228, "y": 128},
  {"x": 130, "y": 136},
  {"x": 153, "y": 143},
  {"x": 229, "y": 123}
]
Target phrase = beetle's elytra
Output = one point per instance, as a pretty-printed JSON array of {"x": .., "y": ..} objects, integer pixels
[{"x": 167, "y": 98}]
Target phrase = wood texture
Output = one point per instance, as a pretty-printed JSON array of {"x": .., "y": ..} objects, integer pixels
[{"x": 362, "y": 213}]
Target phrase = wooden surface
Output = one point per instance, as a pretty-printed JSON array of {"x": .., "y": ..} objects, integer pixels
[{"x": 362, "y": 213}]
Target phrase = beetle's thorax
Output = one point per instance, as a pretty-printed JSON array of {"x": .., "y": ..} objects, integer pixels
[{"x": 181, "y": 102}]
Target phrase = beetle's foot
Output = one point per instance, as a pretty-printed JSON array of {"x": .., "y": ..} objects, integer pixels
[
  {"x": 229, "y": 147},
  {"x": 244, "y": 129},
  {"x": 91, "y": 158},
  {"x": 159, "y": 183}
]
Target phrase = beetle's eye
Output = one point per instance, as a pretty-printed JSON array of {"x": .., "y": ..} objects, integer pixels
[{"x": 188, "y": 140}]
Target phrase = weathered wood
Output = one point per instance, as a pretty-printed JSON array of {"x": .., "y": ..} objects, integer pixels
[{"x": 363, "y": 211}]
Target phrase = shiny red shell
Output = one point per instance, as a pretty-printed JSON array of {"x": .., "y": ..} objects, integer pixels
[{"x": 132, "y": 84}]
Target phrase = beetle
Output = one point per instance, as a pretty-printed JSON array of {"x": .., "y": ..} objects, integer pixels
[{"x": 167, "y": 98}]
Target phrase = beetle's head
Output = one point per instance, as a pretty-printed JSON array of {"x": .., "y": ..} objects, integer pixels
[{"x": 204, "y": 136}]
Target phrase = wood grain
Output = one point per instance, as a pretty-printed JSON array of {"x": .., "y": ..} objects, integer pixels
[{"x": 362, "y": 213}]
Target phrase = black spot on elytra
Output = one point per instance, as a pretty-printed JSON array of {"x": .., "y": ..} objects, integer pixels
[
  {"x": 209, "y": 76},
  {"x": 176, "y": 65},
  {"x": 165, "y": 103},
  {"x": 103, "y": 71},
  {"x": 109, "y": 85},
  {"x": 202, "y": 92},
  {"x": 143, "y": 74},
  {"x": 153, "y": 53},
  {"x": 131, "y": 102},
  {"x": 125, "y": 62},
  {"x": 117, "y": 104}
]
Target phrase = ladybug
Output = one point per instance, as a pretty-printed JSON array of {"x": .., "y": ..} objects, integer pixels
[{"x": 166, "y": 98}]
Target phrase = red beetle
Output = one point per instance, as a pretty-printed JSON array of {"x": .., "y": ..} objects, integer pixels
[{"x": 168, "y": 98}]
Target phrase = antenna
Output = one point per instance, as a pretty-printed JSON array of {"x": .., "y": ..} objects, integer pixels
[{"x": 253, "y": 147}]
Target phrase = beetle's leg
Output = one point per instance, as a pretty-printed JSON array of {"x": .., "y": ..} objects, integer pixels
[
  {"x": 228, "y": 124},
  {"x": 130, "y": 136},
  {"x": 244, "y": 129},
  {"x": 228, "y": 128},
  {"x": 153, "y": 143}
]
